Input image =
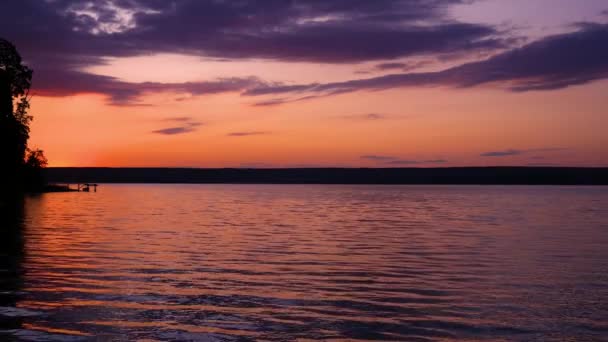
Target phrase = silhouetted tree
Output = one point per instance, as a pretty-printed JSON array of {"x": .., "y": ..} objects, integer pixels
[
  {"x": 15, "y": 83},
  {"x": 35, "y": 161}
]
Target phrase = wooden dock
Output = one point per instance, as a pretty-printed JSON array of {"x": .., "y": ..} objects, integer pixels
[
  {"x": 80, "y": 187},
  {"x": 86, "y": 187}
]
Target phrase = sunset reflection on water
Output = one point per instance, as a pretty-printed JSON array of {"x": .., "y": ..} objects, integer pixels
[{"x": 277, "y": 262}]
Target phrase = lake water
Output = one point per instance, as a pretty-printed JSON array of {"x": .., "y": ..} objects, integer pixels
[{"x": 287, "y": 262}]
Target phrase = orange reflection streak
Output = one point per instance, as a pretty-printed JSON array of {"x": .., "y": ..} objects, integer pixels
[
  {"x": 174, "y": 325},
  {"x": 55, "y": 330}
]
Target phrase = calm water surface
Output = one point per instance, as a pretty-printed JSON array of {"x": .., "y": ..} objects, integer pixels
[{"x": 287, "y": 262}]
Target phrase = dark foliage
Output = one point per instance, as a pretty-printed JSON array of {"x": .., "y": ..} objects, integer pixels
[{"x": 15, "y": 82}]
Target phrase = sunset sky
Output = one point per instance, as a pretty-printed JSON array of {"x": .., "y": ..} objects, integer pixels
[{"x": 298, "y": 83}]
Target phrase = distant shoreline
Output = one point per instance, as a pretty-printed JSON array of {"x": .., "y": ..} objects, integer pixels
[{"x": 454, "y": 175}]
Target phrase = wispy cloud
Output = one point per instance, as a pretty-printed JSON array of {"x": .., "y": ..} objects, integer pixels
[
  {"x": 366, "y": 117},
  {"x": 280, "y": 101},
  {"x": 532, "y": 67},
  {"x": 504, "y": 153},
  {"x": 246, "y": 134},
  {"x": 186, "y": 125},
  {"x": 391, "y": 160},
  {"x": 401, "y": 66},
  {"x": 174, "y": 130},
  {"x": 377, "y": 157},
  {"x": 72, "y": 82},
  {"x": 515, "y": 152},
  {"x": 415, "y": 162},
  {"x": 272, "y": 102}
]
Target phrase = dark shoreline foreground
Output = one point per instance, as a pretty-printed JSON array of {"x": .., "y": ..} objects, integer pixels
[{"x": 460, "y": 175}]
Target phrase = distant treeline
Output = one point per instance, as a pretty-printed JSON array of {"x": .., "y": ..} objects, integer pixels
[{"x": 463, "y": 175}]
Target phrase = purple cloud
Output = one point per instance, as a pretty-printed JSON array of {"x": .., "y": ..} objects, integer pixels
[
  {"x": 377, "y": 157},
  {"x": 514, "y": 152},
  {"x": 120, "y": 93},
  {"x": 415, "y": 162},
  {"x": 390, "y": 160},
  {"x": 583, "y": 57},
  {"x": 504, "y": 153},
  {"x": 188, "y": 125},
  {"x": 400, "y": 66},
  {"x": 331, "y": 31},
  {"x": 351, "y": 31},
  {"x": 272, "y": 102},
  {"x": 246, "y": 134},
  {"x": 174, "y": 130}
]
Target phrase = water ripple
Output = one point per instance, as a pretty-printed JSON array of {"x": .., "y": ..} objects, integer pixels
[{"x": 262, "y": 262}]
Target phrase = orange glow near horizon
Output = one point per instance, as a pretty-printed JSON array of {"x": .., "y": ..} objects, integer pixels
[{"x": 418, "y": 125}]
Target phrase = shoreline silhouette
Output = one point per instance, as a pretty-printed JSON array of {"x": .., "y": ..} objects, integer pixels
[{"x": 455, "y": 175}]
